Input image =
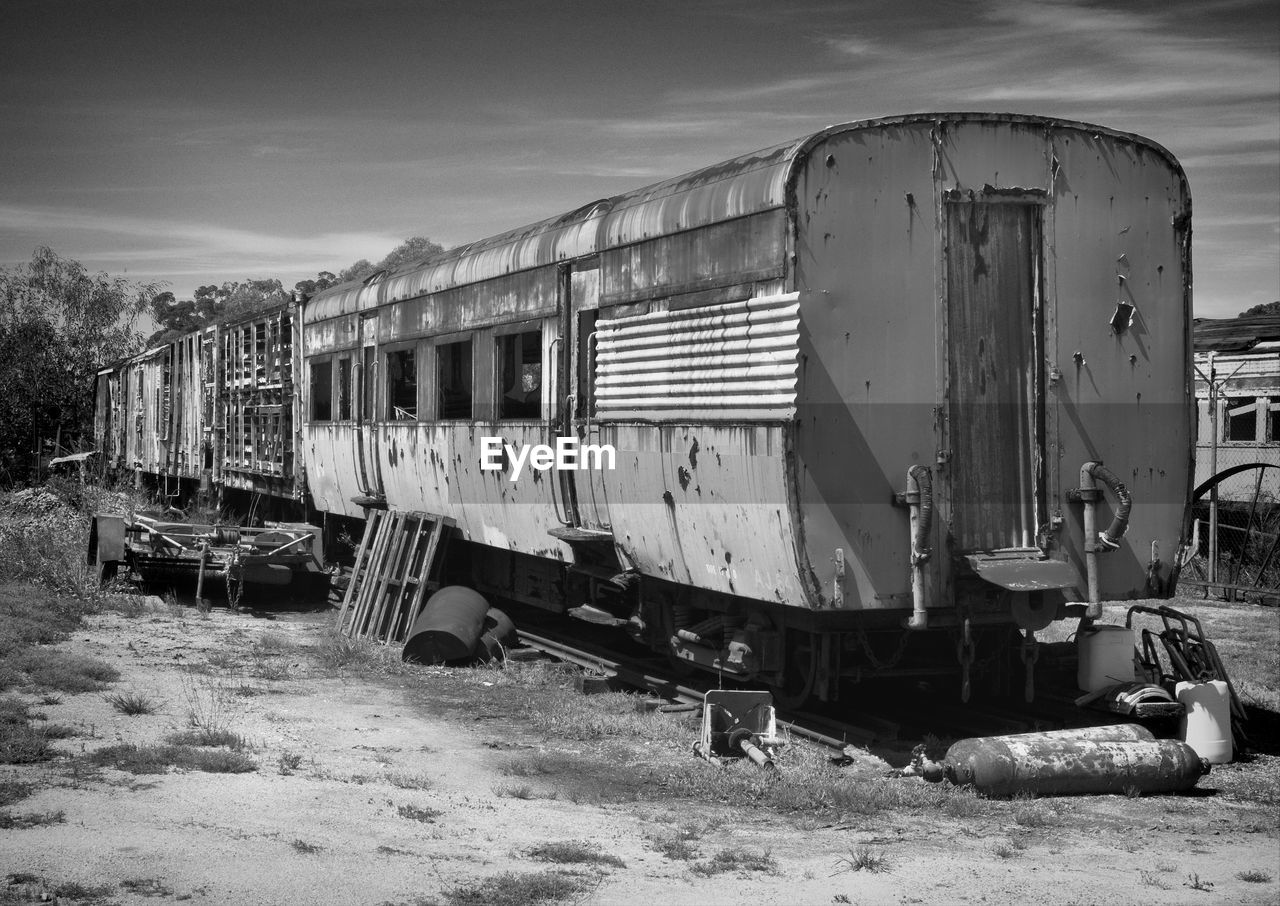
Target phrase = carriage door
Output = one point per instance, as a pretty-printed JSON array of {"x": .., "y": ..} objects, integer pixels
[
  {"x": 994, "y": 345},
  {"x": 583, "y": 490},
  {"x": 369, "y": 470}
]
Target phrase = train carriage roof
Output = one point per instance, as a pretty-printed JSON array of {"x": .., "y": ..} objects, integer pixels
[{"x": 744, "y": 185}]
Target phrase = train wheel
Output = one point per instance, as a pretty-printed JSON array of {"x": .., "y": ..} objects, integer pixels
[{"x": 798, "y": 671}]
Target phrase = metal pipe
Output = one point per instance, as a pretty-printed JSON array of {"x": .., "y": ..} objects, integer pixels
[
  {"x": 294, "y": 543},
  {"x": 1213, "y": 467},
  {"x": 204, "y": 552},
  {"x": 743, "y": 739},
  {"x": 1088, "y": 495},
  {"x": 920, "y": 499},
  {"x": 1095, "y": 541}
]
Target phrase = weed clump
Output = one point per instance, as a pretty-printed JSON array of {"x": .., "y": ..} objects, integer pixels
[
  {"x": 158, "y": 759},
  {"x": 573, "y": 853},
  {"x": 133, "y": 704},
  {"x": 418, "y": 813},
  {"x": 863, "y": 859},
  {"x": 10, "y": 821},
  {"x": 739, "y": 860},
  {"x": 515, "y": 889},
  {"x": 63, "y": 672}
]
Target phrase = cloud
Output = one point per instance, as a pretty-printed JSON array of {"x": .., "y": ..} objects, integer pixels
[{"x": 169, "y": 248}]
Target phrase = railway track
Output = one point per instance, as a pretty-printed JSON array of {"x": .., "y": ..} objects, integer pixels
[{"x": 896, "y": 722}]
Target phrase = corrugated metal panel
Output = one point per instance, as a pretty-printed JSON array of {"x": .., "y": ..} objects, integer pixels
[
  {"x": 736, "y": 361},
  {"x": 745, "y": 185},
  {"x": 341, "y": 300}
]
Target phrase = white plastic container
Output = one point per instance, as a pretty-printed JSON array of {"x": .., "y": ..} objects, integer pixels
[
  {"x": 1207, "y": 724},
  {"x": 1105, "y": 655}
]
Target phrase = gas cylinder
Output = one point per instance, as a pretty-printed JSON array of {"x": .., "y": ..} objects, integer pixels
[
  {"x": 498, "y": 632},
  {"x": 1119, "y": 759},
  {"x": 448, "y": 628}
]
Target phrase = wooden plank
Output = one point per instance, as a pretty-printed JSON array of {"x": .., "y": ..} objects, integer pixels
[
  {"x": 390, "y": 554},
  {"x": 370, "y": 582},
  {"x": 402, "y": 592},
  {"x": 361, "y": 554},
  {"x": 428, "y": 568}
]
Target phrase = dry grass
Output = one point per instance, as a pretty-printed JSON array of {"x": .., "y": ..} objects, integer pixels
[
  {"x": 63, "y": 672},
  {"x": 408, "y": 781},
  {"x": 210, "y": 738},
  {"x": 419, "y": 813},
  {"x": 863, "y": 858},
  {"x": 740, "y": 861},
  {"x": 133, "y": 704},
  {"x": 10, "y": 821},
  {"x": 157, "y": 759},
  {"x": 147, "y": 887},
  {"x": 360, "y": 657},
  {"x": 573, "y": 852},
  {"x": 513, "y": 889},
  {"x": 25, "y": 738}
]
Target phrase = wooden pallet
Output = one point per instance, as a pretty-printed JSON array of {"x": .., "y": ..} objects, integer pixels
[{"x": 397, "y": 563}]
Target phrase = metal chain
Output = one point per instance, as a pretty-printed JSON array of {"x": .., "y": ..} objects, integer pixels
[
  {"x": 892, "y": 660},
  {"x": 233, "y": 594},
  {"x": 965, "y": 654}
]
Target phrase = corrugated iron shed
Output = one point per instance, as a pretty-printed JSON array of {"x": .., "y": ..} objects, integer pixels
[{"x": 1236, "y": 334}]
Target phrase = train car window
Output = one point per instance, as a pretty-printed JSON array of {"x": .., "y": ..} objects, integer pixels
[
  {"x": 1274, "y": 436},
  {"x": 321, "y": 391},
  {"x": 1242, "y": 419},
  {"x": 402, "y": 385},
  {"x": 453, "y": 380},
  {"x": 520, "y": 375},
  {"x": 344, "y": 388}
]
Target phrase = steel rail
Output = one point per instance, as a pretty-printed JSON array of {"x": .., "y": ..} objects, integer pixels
[{"x": 637, "y": 677}]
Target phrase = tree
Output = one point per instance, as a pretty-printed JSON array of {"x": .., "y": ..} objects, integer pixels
[
  {"x": 412, "y": 250},
  {"x": 323, "y": 280},
  {"x": 1265, "y": 308},
  {"x": 58, "y": 325},
  {"x": 358, "y": 271}
]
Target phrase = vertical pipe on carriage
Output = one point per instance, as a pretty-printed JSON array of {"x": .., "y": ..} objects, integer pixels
[{"x": 919, "y": 498}]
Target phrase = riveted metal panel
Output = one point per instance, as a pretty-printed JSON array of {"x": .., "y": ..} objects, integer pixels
[
  {"x": 436, "y": 468},
  {"x": 722, "y": 254},
  {"x": 733, "y": 362},
  {"x": 878, "y": 349},
  {"x": 332, "y": 467},
  {"x": 528, "y": 294},
  {"x": 706, "y": 505}
]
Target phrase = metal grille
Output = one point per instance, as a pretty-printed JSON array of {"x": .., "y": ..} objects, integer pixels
[{"x": 723, "y": 362}]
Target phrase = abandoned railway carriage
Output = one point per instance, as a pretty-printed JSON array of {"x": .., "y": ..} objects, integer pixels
[{"x": 876, "y": 399}]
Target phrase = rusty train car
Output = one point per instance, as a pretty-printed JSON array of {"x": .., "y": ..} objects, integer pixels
[{"x": 887, "y": 399}]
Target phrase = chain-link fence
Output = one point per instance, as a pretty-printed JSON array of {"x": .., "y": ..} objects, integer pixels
[{"x": 1247, "y": 548}]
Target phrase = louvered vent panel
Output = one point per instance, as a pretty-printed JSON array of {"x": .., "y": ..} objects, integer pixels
[{"x": 734, "y": 362}]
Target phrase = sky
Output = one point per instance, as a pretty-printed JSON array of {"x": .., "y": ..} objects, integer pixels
[{"x": 203, "y": 141}]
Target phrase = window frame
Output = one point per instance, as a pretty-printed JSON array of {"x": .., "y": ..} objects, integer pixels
[
  {"x": 389, "y": 406},
  {"x": 437, "y": 386},
  {"x": 502, "y": 333},
  {"x": 325, "y": 360}
]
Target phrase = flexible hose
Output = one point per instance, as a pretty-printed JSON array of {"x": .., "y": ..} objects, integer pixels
[
  {"x": 1120, "y": 523},
  {"x": 923, "y": 478}
]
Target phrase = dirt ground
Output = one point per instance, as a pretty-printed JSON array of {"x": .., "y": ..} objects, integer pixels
[{"x": 342, "y": 758}]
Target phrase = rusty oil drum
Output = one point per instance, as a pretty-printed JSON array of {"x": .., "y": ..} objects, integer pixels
[
  {"x": 448, "y": 628},
  {"x": 1120, "y": 759}
]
